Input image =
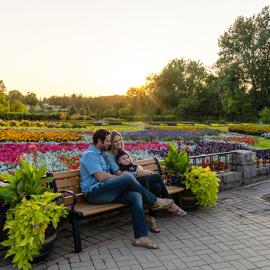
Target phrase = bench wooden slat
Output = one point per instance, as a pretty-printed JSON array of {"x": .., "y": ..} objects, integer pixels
[
  {"x": 66, "y": 174},
  {"x": 145, "y": 162},
  {"x": 75, "y": 189},
  {"x": 69, "y": 199},
  {"x": 151, "y": 167},
  {"x": 81, "y": 200},
  {"x": 68, "y": 182},
  {"x": 174, "y": 189},
  {"x": 93, "y": 209}
]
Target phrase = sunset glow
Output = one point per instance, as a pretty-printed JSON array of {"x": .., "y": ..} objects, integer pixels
[{"x": 103, "y": 47}]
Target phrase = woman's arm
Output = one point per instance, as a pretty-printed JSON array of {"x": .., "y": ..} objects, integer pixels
[{"x": 112, "y": 162}]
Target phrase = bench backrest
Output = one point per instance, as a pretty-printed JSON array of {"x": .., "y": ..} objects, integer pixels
[{"x": 70, "y": 180}]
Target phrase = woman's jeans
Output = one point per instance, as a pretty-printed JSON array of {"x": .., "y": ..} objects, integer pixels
[
  {"x": 125, "y": 189},
  {"x": 155, "y": 184}
]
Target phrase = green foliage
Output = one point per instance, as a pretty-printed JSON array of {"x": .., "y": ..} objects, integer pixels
[
  {"x": 17, "y": 106},
  {"x": 3, "y": 123},
  {"x": 262, "y": 143},
  {"x": 265, "y": 116},
  {"x": 13, "y": 123},
  {"x": 26, "y": 181},
  {"x": 26, "y": 224},
  {"x": 204, "y": 184},
  {"x": 176, "y": 161},
  {"x": 32, "y": 209},
  {"x": 244, "y": 60},
  {"x": 25, "y": 123},
  {"x": 38, "y": 124}
]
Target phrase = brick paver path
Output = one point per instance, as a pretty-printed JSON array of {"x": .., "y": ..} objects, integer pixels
[{"x": 234, "y": 235}]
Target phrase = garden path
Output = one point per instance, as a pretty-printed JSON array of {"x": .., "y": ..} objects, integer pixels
[{"x": 234, "y": 235}]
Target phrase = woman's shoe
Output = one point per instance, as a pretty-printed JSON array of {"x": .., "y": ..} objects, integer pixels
[
  {"x": 162, "y": 204},
  {"x": 145, "y": 242},
  {"x": 178, "y": 212},
  {"x": 152, "y": 225},
  {"x": 153, "y": 228}
]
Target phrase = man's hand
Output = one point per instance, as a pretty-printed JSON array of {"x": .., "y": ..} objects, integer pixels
[
  {"x": 146, "y": 172},
  {"x": 102, "y": 176},
  {"x": 140, "y": 171}
]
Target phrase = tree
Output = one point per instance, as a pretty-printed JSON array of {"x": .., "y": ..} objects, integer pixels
[
  {"x": 178, "y": 80},
  {"x": 4, "y": 105},
  {"x": 2, "y": 88},
  {"x": 265, "y": 115},
  {"x": 17, "y": 106},
  {"x": 245, "y": 47},
  {"x": 15, "y": 95},
  {"x": 31, "y": 99}
]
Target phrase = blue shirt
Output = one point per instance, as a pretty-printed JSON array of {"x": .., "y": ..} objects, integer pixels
[{"x": 91, "y": 162}]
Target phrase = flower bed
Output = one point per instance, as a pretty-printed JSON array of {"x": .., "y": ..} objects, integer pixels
[
  {"x": 249, "y": 129},
  {"x": 149, "y": 135},
  {"x": 37, "y": 136},
  {"x": 65, "y": 153},
  {"x": 235, "y": 139}
]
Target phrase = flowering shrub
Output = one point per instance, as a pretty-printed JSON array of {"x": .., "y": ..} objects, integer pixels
[
  {"x": 149, "y": 135},
  {"x": 250, "y": 129},
  {"x": 215, "y": 165},
  {"x": 71, "y": 163},
  {"x": 37, "y": 136},
  {"x": 243, "y": 139},
  {"x": 211, "y": 147},
  {"x": 11, "y": 152}
]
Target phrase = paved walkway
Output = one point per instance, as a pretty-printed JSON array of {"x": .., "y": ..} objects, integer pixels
[{"x": 234, "y": 235}]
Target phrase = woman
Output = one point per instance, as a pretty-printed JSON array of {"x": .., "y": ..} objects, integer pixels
[{"x": 152, "y": 181}]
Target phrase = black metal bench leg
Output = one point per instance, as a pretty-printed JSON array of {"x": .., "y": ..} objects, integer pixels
[
  {"x": 178, "y": 196},
  {"x": 76, "y": 234}
]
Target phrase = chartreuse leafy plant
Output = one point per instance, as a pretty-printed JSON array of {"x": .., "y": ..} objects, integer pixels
[
  {"x": 27, "y": 180},
  {"x": 176, "y": 161},
  {"x": 204, "y": 184},
  {"x": 26, "y": 224}
]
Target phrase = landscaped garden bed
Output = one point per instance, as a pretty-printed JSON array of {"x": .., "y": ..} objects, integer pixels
[{"x": 61, "y": 150}]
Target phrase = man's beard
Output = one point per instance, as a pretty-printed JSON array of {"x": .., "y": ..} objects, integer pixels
[{"x": 104, "y": 148}]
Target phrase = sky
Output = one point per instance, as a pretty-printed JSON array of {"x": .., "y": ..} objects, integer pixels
[{"x": 103, "y": 47}]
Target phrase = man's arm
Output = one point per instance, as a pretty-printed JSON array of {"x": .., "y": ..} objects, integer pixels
[{"x": 103, "y": 176}]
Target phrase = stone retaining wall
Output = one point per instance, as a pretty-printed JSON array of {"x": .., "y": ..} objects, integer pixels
[{"x": 244, "y": 171}]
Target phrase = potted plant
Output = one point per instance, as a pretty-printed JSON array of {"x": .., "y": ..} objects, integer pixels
[
  {"x": 201, "y": 184},
  {"x": 176, "y": 163},
  {"x": 33, "y": 211}
]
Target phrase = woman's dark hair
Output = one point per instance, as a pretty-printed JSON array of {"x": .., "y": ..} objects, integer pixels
[{"x": 100, "y": 134}]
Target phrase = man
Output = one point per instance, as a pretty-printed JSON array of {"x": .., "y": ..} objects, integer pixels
[{"x": 101, "y": 185}]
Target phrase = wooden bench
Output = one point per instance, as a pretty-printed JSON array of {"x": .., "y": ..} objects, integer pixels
[{"x": 68, "y": 182}]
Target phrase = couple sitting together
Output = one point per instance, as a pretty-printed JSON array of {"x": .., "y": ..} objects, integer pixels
[{"x": 108, "y": 174}]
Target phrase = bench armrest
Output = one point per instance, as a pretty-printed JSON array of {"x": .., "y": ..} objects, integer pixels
[
  {"x": 73, "y": 194},
  {"x": 176, "y": 177}
]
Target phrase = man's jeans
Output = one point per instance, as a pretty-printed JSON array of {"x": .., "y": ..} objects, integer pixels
[{"x": 125, "y": 189}]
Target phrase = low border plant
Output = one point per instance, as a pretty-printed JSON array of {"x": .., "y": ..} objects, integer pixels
[
  {"x": 32, "y": 208},
  {"x": 204, "y": 184},
  {"x": 26, "y": 224}
]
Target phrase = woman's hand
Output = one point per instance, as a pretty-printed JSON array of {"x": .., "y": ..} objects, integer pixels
[{"x": 140, "y": 171}]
